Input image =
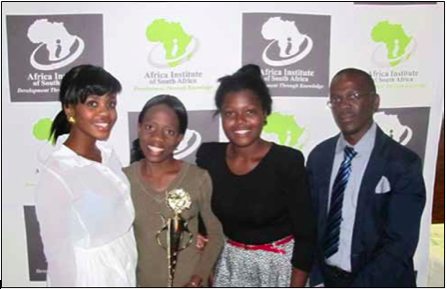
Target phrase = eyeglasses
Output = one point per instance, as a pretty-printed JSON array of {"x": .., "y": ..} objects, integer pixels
[{"x": 335, "y": 99}]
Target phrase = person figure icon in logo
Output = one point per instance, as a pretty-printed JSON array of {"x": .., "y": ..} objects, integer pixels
[{"x": 58, "y": 48}]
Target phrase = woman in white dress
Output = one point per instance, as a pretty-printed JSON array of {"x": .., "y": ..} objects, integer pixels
[{"x": 83, "y": 202}]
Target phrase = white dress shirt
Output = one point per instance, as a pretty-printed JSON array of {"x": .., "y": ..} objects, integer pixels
[
  {"x": 364, "y": 147},
  {"x": 85, "y": 215}
]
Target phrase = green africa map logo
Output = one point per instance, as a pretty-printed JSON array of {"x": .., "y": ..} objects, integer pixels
[
  {"x": 395, "y": 45},
  {"x": 287, "y": 130},
  {"x": 174, "y": 45},
  {"x": 41, "y": 130}
]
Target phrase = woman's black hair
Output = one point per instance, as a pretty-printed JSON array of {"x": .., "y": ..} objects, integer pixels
[
  {"x": 172, "y": 102},
  {"x": 77, "y": 84},
  {"x": 247, "y": 77}
]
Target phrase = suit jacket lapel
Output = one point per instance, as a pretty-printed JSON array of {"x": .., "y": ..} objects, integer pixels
[
  {"x": 373, "y": 173},
  {"x": 326, "y": 164}
]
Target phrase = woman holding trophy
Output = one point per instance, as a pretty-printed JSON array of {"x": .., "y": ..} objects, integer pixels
[
  {"x": 260, "y": 192},
  {"x": 168, "y": 195}
]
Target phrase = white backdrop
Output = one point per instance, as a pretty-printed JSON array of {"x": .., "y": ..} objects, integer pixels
[{"x": 405, "y": 57}]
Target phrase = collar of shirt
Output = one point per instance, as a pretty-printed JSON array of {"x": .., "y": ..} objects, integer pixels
[
  {"x": 72, "y": 159},
  {"x": 365, "y": 144}
]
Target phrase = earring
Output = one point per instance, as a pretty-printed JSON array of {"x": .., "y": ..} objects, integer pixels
[{"x": 71, "y": 119}]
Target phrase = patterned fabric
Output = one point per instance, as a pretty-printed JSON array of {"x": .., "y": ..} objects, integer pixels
[
  {"x": 268, "y": 203},
  {"x": 332, "y": 235},
  {"x": 238, "y": 267}
]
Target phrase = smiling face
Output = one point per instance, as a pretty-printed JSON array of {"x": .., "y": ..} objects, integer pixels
[
  {"x": 353, "y": 116},
  {"x": 242, "y": 117},
  {"x": 95, "y": 118},
  {"x": 159, "y": 133}
]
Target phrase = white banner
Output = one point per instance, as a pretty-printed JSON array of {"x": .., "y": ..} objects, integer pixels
[{"x": 182, "y": 49}]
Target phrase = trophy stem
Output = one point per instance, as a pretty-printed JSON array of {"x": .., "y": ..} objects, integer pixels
[
  {"x": 169, "y": 251},
  {"x": 177, "y": 201}
]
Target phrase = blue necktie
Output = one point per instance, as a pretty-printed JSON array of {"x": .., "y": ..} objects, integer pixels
[{"x": 332, "y": 234}]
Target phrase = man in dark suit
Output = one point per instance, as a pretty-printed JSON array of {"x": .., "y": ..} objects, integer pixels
[{"x": 368, "y": 192}]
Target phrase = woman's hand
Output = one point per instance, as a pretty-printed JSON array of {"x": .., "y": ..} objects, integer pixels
[
  {"x": 201, "y": 242},
  {"x": 299, "y": 278},
  {"x": 194, "y": 282}
]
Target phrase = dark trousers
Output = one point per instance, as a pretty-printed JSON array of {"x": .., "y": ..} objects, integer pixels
[{"x": 336, "y": 278}]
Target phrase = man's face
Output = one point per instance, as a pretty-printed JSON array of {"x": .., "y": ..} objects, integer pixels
[{"x": 353, "y": 105}]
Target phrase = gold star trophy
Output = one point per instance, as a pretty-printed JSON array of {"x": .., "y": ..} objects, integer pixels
[{"x": 177, "y": 200}]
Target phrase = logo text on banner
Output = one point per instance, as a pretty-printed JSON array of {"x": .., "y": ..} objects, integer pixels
[{"x": 291, "y": 49}]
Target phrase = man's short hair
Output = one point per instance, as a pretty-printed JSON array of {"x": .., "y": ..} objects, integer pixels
[{"x": 357, "y": 72}]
